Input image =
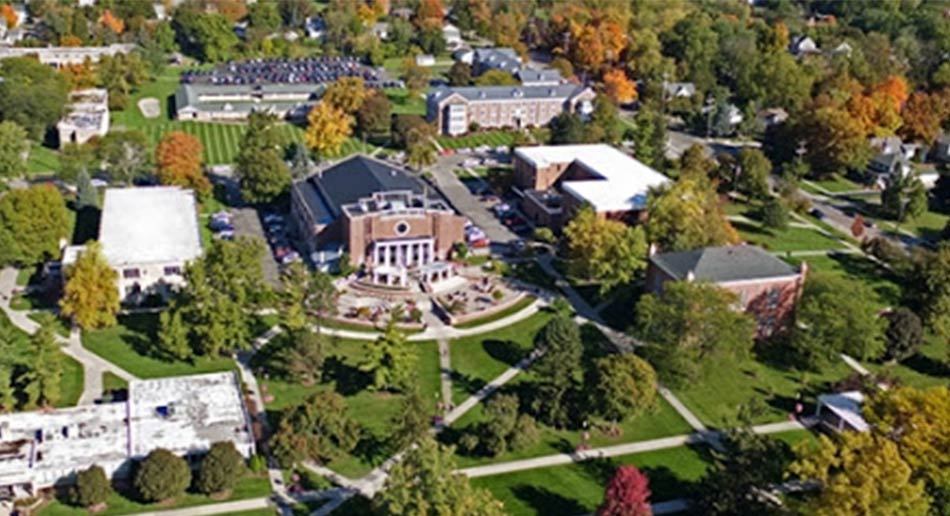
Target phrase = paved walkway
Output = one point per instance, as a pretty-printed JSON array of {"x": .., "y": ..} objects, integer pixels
[
  {"x": 445, "y": 372},
  {"x": 491, "y": 387},
  {"x": 93, "y": 365},
  {"x": 217, "y": 508}
]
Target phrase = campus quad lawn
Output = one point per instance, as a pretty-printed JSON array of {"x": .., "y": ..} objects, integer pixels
[
  {"x": 925, "y": 369},
  {"x": 790, "y": 239},
  {"x": 405, "y": 104},
  {"x": 111, "y": 382},
  {"x": 856, "y": 267},
  {"x": 251, "y": 486},
  {"x": 478, "y": 359},
  {"x": 71, "y": 383},
  {"x": 372, "y": 410},
  {"x": 131, "y": 346},
  {"x": 491, "y": 138},
  {"x": 579, "y": 488},
  {"x": 716, "y": 398},
  {"x": 42, "y": 160}
]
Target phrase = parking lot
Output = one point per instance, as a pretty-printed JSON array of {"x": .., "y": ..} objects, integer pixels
[{"x": 247, "y": 223}]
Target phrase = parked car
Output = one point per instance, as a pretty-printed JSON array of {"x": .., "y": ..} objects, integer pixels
[
  {"x": 501, "y": 209},
  {"x": 291, "y": 257},
  {"x": 273, "y": 218},
  {"x": 225, "y": 235},
  {"x": 218, "y": 225}
]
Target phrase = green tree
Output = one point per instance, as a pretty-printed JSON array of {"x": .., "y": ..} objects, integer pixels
[
  {"x": 390, "y": 360},
  {"x": 90, "y": 297},
  {"x": 220, "y": 468},
  {"x": 859, "y": 473},
  {"x": 38, "y": 219},
  {"x": 505, "y": 428},
  {"x": 743, "y": 465},
  {"x": 557, "y": 369},
  {"x": 835, "y": 142},
  {"x": 687, "y": 215},
  {"x": 692, "y": 328},
  {"x": 305, "y": 294},
  {"x": 305, "y": 356},
  {"x": 412, "y": 421},
  {"x": 904, "y": 334},
  {"x": 774, "y": 214},
  {"x": 161, "y": 475},
  {"x": 567, "y": 128},
  {"x": 929, "y": 288},
  {"x": 86, "y": 194},
  {"x": 125, "y": 155},
  {"x": 496, "y": 78},
  {"x": 604, "y": 121},
  {"x": 460, "y": 74},
  {"x": 264, "y": 16},
  {"x": 373, "y": 117},
  {"x": 45, "y": 368},
  {"x": 753, "y": 170},
  {"x": 260, "y": 165},
  {"x": 92, "y": 487},
  {"x": 173, "y": 335},
  {"x": 421, "y": 154},
  {"x": 415, "y": 76},
  {"x": 836, "y": 316},
  {"x": 649, "y": 135},
  {"x": 207, "y": 36},
  {"x": 73, "y": 159},
  {"x": 319, "y": 428},
  {"x": 14, "y": 147},
  {"x": 121, "y": 74},
  {"x": 425, "y": 483},
  {"x": 32, "y": 95},
  {"x": 904, "y": 198},
  {"x": 608, "y": 252},
  {"x": 623, "y": 386}
]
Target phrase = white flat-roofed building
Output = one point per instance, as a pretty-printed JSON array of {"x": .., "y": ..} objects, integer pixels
[
  {"x": 184, "y": 414},
  {"x": 62, "y": 56},
  {"x": 148, "y": 234},
  {"x": 88, "y": 116},
  {"x": 614, "y": 184}
]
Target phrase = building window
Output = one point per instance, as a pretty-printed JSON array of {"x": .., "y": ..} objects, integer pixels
[
  {"x": 401, "y": 228},
  {"x": 131, "y": 273},
  {"x": 774, "y": 296},
  {"x": 173, "y": 270}
]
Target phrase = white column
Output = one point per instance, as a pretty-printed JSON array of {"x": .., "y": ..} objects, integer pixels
[
  {"x": 431, "y": 251},
  {"x": 387, "y": 252}
]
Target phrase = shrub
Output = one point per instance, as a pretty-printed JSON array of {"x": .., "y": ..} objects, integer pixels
[
  {"x": 92, "y": 487},
  {"x": 220, "y": 468},
  {"x": 161, "y": 475},
  {"x": 257, "y": 464},
  {"x": 904, "y": 334},
  {"x": 774, "y": 215},
  {"x": 543, "y": 234},
  {"x": 497, "y": 294}
]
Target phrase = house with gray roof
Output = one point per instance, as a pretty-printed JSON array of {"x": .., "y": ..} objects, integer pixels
[
  {"x": 532, "y": 77},
  {"x": 455, "y": 110},
  {"x": 764, "y": 285}
]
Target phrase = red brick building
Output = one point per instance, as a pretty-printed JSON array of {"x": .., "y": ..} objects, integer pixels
[{"x": 768, "y": 288}]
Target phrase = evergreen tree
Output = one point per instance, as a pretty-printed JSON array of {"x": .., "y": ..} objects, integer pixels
[
  {"x": 92, "y": 487},
  {"x": 220, "y": 468},
  {"x": 904, "y": 334},
  {"x": 45, "y": 370},
  {"x": 557, "y": 368},
  {"x": 86, "y": 195},
  {"x": 161, "y": 475},
  {"x": 173, "y": 335},
  {"x": 260, "y": 165},
  {"x": 412, "y": 421},
  {"x": 390, "y": 360}
]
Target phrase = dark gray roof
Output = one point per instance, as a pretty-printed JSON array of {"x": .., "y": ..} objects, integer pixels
[
  {"x": 350, "y": 180},
  {"x": 529, "y": 76},
  {"x": 721, "y": 264},
  {"x": 498, "y": 58},
  {"x": 476, "y": 93}
]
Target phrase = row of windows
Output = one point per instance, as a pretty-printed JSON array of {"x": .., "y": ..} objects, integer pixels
[{"x": 171, "y": 270}]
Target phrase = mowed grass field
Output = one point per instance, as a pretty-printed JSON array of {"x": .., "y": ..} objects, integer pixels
[{"x": 490, "y": 138}]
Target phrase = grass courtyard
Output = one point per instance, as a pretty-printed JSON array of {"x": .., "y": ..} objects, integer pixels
[
  {"x": 792, "y": 238},
  {"x": 372, "y": 410},
  {"x": 579, "y": 488},
  {"x": 491, "y": 138},
  {"x": 131, "y": 346}
]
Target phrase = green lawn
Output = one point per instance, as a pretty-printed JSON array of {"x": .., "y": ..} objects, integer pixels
[
  {"x": 130, "y": 345},
  {"x": 927, "y": 368},
  {"x": 579, "y": 488},
  {"x": 789, "y": 239},
  {"x": 513, "y": 309},
  {"x": 490, "y": 138},
  {"x": 478, "y": 359},
  {"x": 929, "y": 225},
  {"x": 837, "y": 184},
  {"x": 71, "y": 382},
  {"x": 404, "y": 104},
  {"x": 111, "y": 382},
  {"x": 373, "y": 410},
  {"x": 716, "y": 398},
  {"x": 856, "y": 267},
  {"x": 23, "y": 277},
  {"x": 42, "y": 160},
  {"x": 251, "y": 486}
]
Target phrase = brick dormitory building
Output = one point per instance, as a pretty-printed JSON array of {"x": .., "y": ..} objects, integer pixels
[{"x": 383, "y": 218}]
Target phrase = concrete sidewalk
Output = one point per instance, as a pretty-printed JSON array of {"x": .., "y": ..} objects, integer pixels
[{"x": 217, "y": 508}]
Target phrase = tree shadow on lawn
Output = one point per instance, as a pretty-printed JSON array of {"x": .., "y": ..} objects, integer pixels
[
  {"x": 547, "y": 502},
  {"x": 142, "y": 335},
  {"x": 348, "y": 379},
  {"x": 506, "y": 351},
  {"x": 927, "y": 366},
  {"x": 468, "y": 383},
  {"x": 865, "y": 270},
  {"x": 373, "y": 449},
  {"x": 664, "y": 483}
]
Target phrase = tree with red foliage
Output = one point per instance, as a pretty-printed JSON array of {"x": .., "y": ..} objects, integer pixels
[
  {"x": 627, "y": 494},
  {"x": 857, "y": 227}
]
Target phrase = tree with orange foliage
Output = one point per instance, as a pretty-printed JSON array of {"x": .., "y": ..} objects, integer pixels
[
  {"x": 9, "y": 16},
  {"x": 619, "y": 87},
  {"x": 857, "y": 226},
  {"x": 233, "y": 10},
  {"x": 922, "y": 116},
  {"x": 429, "y": 14},
  {"x": 70, "y": 41},
  {"x": 894, "y": 89},
  {"x": 80, "y": 76},
  {"x": 111, "y": 22},
  {"x": 178, "y": 157}
]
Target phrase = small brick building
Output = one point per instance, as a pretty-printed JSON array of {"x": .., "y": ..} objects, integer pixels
[
  {"x": 768, "y": 288},
  {"x": 386, "y": 220}
]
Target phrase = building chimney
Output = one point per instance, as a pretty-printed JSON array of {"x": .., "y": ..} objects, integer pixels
[
  {"x": 690, "y": 276},
  {"x": 652, "y": 250}
]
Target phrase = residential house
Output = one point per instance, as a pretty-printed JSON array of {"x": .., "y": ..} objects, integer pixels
[
  {"x": 557, "y": 179},
  {"x": 184, "y": 414},
  {"x": 678, "y": 90},
  {"x": 425, "y": 60},
  {"x": 892, "y": 159},
  {"x": 767, "y": 287},
  {"x": 803, "y": 45},
  {"x": 381, "y": 30},
  {"x": 455, "y": 110},
  {"x": 452, "y": 36},
  {"x": 384, "y": 218},
  {"x": 148, "y": 235},
  {"x": 496, "y": 58}
]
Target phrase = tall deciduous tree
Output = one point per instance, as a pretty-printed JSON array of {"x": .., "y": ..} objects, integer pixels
[
  {"x": 603, "y": 250},
  {"x": 904, "y": 198},
  {"x": 691, "y": 328},
  {"x": 374, "y": 116},
  {"x": 929, "y": 288},
  {"x": 220, "y": 468},
  {"x": 412, "y": 421},
  {"x": 425, "y": 482},
  {"x": 37, "y": 220},
  {"x": 619, "y": 87},
  {"x": 92, "y": 487},
  {"x": 91, "y": 295},
  {"x": 390, "y": 359},
  {"x": 327, "y": 129},
  {"x": 460, "y": 74},
  {"x": 32, "y": 94},
  {"x": 14, "y": 147},
  {"x": 557, "y": 369},
  {"x": 346, "y": 94},
  {"x": 319, "y": 428},
  {"x": 161, "y": 475},
  {"x": 124, "y": 155},
  {"x": 834, "y": 141},
  {"x": 624, "y": 386},
  {"x": 260, "y": 164},
  {"x": 904, "y": 334},
  {"x": 627, "y": 494},
  {"x": 686, "y": 215},
  {"x": 860, "y": 473},
  {"x": 753, "y": 171},
  {"x": 178, "y": 156},
  {"x": 836, "y": 316}
]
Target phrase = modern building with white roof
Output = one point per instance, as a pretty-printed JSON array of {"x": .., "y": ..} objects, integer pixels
[
  {"x": 184, "y": 415},
  {"x": 558, "y": 178},
  {"x": 148, "y": 234},
  {"x": 87, "y": 116}
]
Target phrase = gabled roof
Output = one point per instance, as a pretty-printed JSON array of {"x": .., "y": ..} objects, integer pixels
[
  {"x": 484, "y": 93},
  {"x": 847, "y": 406},
  {"x": 723, "y": 264}
]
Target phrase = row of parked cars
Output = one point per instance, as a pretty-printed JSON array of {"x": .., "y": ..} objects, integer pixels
[
  {"x": 222, "y": 225},
  {"x": 510, "y": 217},
  {"x": 275, "y": 228}
]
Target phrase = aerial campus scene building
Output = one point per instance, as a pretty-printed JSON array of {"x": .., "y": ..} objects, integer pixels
[{"x": 479, "y": 257}]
